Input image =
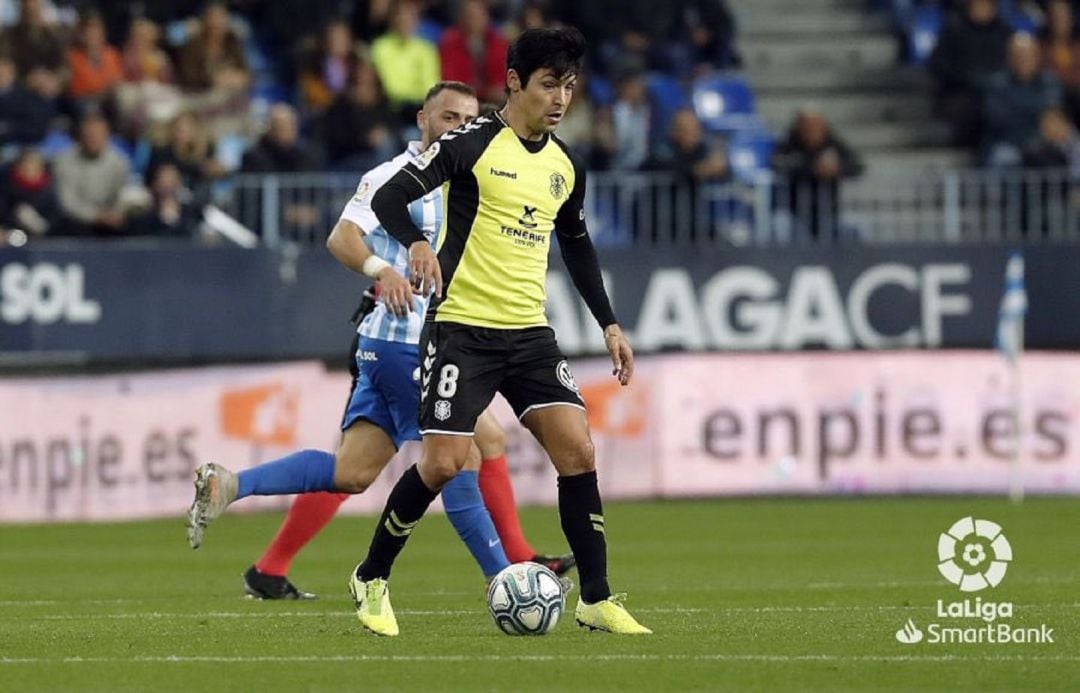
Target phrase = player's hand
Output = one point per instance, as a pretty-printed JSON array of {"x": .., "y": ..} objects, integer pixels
[
  {"x": 394, "y": 292},
  {"x": 424, "y": 268},
  {"x": 622, "y": 356}
]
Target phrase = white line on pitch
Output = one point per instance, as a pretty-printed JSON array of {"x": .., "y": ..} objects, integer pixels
[{"x": 268, "y": 659}]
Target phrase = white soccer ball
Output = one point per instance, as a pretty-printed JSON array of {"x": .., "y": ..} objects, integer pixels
[{"x": 526, "y": 599}]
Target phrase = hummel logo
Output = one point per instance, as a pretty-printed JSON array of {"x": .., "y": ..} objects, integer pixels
[
  {"x": 512, "y": 175},
  {"x": 428, "y": 363},
  {"x": 427, "y": 379}
]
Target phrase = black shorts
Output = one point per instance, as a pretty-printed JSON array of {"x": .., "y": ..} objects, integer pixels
[{"x": 462, "y": 367}]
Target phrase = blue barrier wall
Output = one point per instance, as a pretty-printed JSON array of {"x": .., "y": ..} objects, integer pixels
[{"x": 113, "y": 303}]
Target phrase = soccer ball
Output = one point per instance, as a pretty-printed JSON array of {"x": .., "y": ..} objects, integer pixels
[{"x": 526, "y": 599}]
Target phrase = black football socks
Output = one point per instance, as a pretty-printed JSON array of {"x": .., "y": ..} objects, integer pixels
[
  {"x": 406, "y": 505},
  {"x": 582, "y": 516}
]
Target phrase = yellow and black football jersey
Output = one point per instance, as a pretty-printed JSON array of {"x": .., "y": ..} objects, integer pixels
[{"x": 504, "y": 197}]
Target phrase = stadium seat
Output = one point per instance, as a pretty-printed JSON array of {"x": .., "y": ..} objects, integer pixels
[
  {"x": 431, "y": 30},
  {"x": 749, "y": 153},
  {"x": 667, "y": 96},
  {"x": 725, "y": 103},
  {"x": 922, "y": 33},
  {"x": 54, "y": 143}
]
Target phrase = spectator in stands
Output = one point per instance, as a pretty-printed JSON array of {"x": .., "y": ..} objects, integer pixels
[
  {"x": 34, "y": 41},
  {"x": 280, "y": 149},
  {"x": 813, "y": 161},
  {"x": 326, "y": 67},
  {"x": 1060, "y": 43},
  {"x": 90, "y": 178},
  {"x": 711, "y": 28},
  {"x": 172, "y": 211},
  {"x": 1015, "y": 102},
  {"x": 693, "y": 158},
  {"x": 474, "y": 52},
  {"x": 190, "y": 150},
  {"x": 214, "y": 57},
  {"x": 407, "y": 64},
  {"x": 95, "y": 67},
  {"x": 371, "y": 18},
  {"x": 25, "y": 114},
  {"x": 27, "y": 196},
  {"x": 143, "y": 58},
  {"x": 631, "y": 116},
  {"x": 357, "y": 130},
  {"x": 1057, "y": 144},
  {"x": 971, "y": 48}
]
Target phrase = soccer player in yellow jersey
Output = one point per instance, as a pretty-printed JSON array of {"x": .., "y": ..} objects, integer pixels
[{"x": 511, "y": 185}]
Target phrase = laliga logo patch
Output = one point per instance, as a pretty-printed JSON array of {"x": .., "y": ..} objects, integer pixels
[
  {"x": 974, "y": 554},
  {"x": 562, "y": 372},
  {"x": 362, "y": 191},
  {"x": 428, "y": 156}
]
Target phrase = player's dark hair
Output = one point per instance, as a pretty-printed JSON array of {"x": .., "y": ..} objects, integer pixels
[
  {"x": 448, "y": 85},
  {"x": 559, "y": 49}
]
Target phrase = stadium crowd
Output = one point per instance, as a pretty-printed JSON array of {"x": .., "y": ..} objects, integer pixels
[
  {"x": 120, "y": 119},
  {"x": 115, "y": 117}
]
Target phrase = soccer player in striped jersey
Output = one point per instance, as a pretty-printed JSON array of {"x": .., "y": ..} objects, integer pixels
[{"x": 382, "y": 410}]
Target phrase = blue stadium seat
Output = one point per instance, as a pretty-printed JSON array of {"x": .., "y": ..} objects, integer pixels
[
  {"x": 54, "y": 143},
  {"x": 725, "y": 103},
  {"x": 667, "y": 96},
  {"x": 600, "y": 90},
  {"x": 749, "y": 153},
  {"x": 922, "y": 33}
]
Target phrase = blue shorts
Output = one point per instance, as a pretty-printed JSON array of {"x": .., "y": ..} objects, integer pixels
[{"x": 386, "y": 390}]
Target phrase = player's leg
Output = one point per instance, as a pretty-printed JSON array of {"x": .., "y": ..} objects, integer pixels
[
  {"x": 364, "y": 451},
  {"x": 379, "y": 418},
  {"x": 494, "y": 480},
  {"x": 308, "y": 471},
  {"x": 465, "y": 509},
  {"x": 563, "y": 431},
  {"x": 542, "y": 392},
  {"x": 460, "y": 371}
]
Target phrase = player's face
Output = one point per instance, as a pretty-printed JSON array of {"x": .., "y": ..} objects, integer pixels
[
  {"x": 545, "y": 99},
  {"x": 448, "y": 110}
]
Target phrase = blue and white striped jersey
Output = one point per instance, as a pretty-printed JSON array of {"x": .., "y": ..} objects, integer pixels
[{"x": 427, "y": 214}]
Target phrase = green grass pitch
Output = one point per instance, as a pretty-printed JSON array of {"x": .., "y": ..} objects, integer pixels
[{"x": 771, "y": 594}]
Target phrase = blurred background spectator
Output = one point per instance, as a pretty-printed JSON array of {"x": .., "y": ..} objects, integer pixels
[
  {"x": 631, "y": 117},
  {"x": 1060, "y": 45},
  {"x": 358, "y": 128},
  {"x": 188, "y": 148},
  {"x": 90, "y": 178},
  {"x": 94, "y": 66},
  {"x": 1015, "y": 100},
  {"x": 814, "y": 161},
  {"x": 25, "y": 114},
  {"x": 971, "y": 48},
  {"x": 27, "y": 196},
  {"x": 325, "y": 66},
  {"x": 213, "y": 57},
  {"x": 35, "y": 41},
  {"x": 280, "y": 149},
  {"x": 474, "y": 52},
  {"x": 407, "y": 64},
  {"x": 171, "y": 212}
]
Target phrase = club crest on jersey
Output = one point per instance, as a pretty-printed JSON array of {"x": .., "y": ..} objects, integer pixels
[
  {"x": 442, "y": 410},
  {"x": 562, "y": 372},
  {"x": 427, "y": 156},
  {"x": 558, "y": 186}
]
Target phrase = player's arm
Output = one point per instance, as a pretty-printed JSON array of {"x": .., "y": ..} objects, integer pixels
[
  {"x": 582, "y": 264},
  {"x": 452, "y": 153},
  {"x": 346, "y": 244}
]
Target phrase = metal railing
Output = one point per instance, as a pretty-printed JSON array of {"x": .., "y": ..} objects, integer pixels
[{"x": 658, "y": 209}]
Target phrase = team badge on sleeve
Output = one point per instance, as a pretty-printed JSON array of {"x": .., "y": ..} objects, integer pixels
[
  {"x": 428, "y": 156},
  {"x": 558, "y": 186}
]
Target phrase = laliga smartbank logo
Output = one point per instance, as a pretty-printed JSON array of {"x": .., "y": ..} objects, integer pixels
[{"x": 974, "y": 555}]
